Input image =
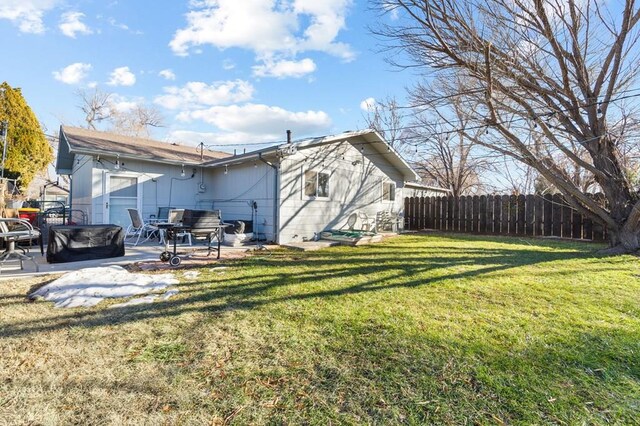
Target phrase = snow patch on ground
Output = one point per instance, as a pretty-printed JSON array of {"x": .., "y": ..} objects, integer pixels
[{"x": 90, "y": 286}]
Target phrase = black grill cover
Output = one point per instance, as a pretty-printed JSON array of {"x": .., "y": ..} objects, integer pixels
[{"x": 84, "y": 242}]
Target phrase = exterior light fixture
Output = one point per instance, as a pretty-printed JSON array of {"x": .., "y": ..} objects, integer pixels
[
  {"x": 182, "y": 172},
  {"x": 226, "y": 169},
  {"x": 117, "y": 166}
]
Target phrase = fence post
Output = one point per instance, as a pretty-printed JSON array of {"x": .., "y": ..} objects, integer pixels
[
  {"x": 469, "y": 218},
  {"x": 476, "y": 213},
  {"x": 520, "y": 205},
  {"x": 497, "y": 214},
  {"x": 557, "y": 215},
  {"x": 427, "y": 213},
  {"x": 450, "y": 213},
  {"x": 483, "y": 214},
  {"x": 548, "y": 215},
  {"x": 566, "y": 219},
  {"x": 576, "y": 225},
  {"x": 490, "y": 214},
  {"x": 530, "y": 204},
  {"x": 504, "y": 207},
  {"x": 407, "y": 213}
]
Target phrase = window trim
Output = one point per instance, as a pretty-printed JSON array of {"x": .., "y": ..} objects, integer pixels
[
  {"x": 392, "y": 191},
  {"x": 315, "y": 196}
]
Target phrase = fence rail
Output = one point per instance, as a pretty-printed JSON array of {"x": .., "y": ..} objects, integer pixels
[{"x": 531, "y": 215}]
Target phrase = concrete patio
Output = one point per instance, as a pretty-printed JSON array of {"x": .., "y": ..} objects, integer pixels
[{"x": 147, "y": 256}]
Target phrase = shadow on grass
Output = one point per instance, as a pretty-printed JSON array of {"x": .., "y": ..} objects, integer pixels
[
  {"x": 581, "y": 378},
  {"x": 401, "y": 263}
]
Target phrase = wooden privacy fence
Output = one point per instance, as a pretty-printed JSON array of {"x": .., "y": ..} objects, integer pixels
[{"x": 532, "y": 215}]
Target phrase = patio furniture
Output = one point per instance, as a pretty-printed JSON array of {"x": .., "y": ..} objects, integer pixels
[
  {"x": 73, "y": 243},
  {"x": 351, "y": 221},
  {"x": 162, "y": 216},
  {"x": 13, "y": 231},
  {"x": 174, "y": 217},
  {"x": 366, "y": 223},
  {"x": 139, "y": 228},
  {"x": 386, "y": 221}
]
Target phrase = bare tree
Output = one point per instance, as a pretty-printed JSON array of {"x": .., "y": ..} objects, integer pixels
[
  {"x": 95, "y": 105},
  {"x": 136, "y": 121},
  {"x": 559, "y": 70},
  {"x": 388, "y": 118},
  {"x": 99, "y": 106},
  {"x": 447, "y": 160},
  {"x": 445, "y": 154}
]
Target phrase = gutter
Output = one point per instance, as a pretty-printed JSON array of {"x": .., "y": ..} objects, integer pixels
[{"x": 276, "y": 198}]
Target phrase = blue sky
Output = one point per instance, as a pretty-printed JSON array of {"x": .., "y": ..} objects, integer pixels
[{"x": 220, "y": 71}]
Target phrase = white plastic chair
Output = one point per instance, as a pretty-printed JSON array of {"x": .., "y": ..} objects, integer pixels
[
  {"x": 138, "y": 227},
  {"x": 366, "y": 223}
]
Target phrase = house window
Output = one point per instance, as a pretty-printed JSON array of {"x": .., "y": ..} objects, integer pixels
[
  {"x": 388, "y": 191},
  {"x": 316, "y": 184}
]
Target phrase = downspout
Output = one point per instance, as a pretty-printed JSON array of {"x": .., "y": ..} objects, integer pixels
[{"x": 276, "y": 198}]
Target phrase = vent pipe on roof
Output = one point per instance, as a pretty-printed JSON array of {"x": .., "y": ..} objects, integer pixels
[{"x": 288, "y": 136}]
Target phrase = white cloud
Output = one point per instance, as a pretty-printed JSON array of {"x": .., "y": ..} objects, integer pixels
[
  {"x": 368, "y": 104},
  {"x": 117, "y": 24},
  {"x": 27, "y": 14},
  {"x": 71, "y": 24},
  {"x": 282, "y": 69},
  {"x": 196, "y": 94},
  {"x": 122, "y": 77},
  {"x": 228, "y": 64},
  {"x": 167, "y": 74},
  {"x": 259, "y": 119},
  {"x": 72, "y": 74},
  {"x": 267, "y": 27},
  {"x": 121, "y": 26}
]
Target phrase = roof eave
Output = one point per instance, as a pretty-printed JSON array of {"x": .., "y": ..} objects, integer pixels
[
  {"x": 242, "y": 158},
  {"x": 120, "y": 155}
]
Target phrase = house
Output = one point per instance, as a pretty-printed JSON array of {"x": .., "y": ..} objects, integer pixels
[
  {"x": 415, "y": 189},
  {"x": 290, "y": 191}
]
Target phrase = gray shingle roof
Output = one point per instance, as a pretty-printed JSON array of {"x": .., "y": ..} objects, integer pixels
[{"x": 94, "y": 142}]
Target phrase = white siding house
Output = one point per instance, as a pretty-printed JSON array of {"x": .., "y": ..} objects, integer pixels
[
  {"x": 110, "y": 173},
  {"x": 290, "y": 192},
  {"x": 305, "y": 187},
  {"x": 414, "y": 189}
]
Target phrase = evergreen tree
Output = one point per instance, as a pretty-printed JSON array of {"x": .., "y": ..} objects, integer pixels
[{"x": 28, "y": 151}]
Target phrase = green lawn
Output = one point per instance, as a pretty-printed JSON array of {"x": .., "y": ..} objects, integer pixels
[{"x": 418, "y": 329}]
